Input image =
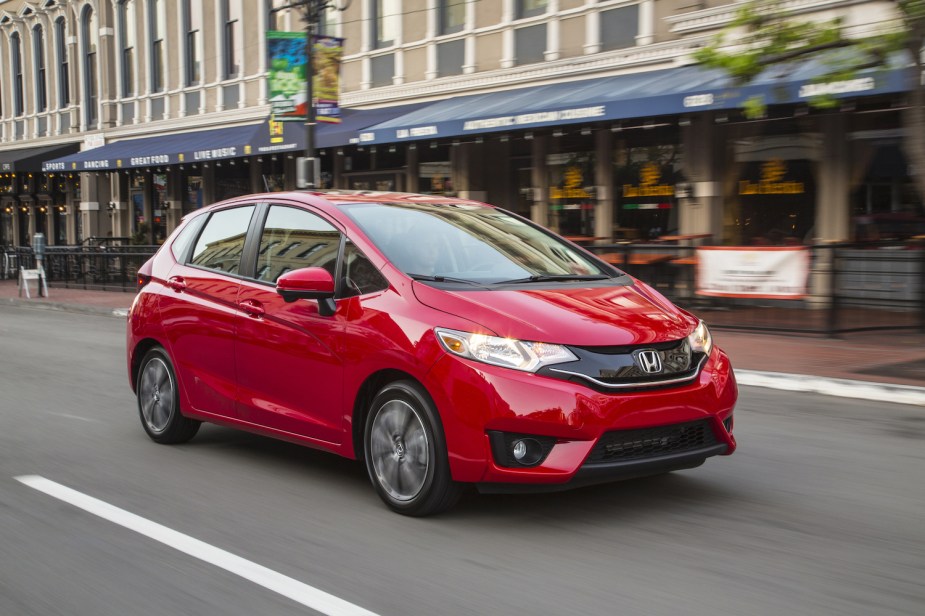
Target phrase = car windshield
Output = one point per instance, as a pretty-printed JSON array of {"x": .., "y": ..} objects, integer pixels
[{"x": 469, "y": 243}]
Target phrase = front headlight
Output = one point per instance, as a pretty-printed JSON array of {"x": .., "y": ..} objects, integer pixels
[
  {"x": 506, "y": 352},
  {"x": 700, "y": 339}
]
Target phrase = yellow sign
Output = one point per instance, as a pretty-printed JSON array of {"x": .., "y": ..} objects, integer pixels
[
  {"x": 572, "y": 186},
  {"x": 276, "y": 131},
  {"x": 649, "y": 177},
  {"x": 772, "y": 181}
]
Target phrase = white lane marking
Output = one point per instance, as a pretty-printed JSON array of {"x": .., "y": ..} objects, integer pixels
[
  {"x": 68, "y": 416},
  {"x": 299, "y": 592}
]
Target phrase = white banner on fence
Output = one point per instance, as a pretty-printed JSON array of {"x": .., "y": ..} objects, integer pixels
[{"x": 773, "y": 272}]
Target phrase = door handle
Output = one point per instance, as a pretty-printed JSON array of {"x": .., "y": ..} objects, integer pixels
[
  {"x": 176, "y": 283},
  {"x": 253, "y": 308}
]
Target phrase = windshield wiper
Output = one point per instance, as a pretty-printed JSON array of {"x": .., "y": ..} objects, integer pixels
[
  {"x": 556, "y": 278},
  {"x": 429, "y": 278}
]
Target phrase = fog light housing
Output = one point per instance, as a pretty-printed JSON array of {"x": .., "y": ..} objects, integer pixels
[{"x": 519, "y": 450}]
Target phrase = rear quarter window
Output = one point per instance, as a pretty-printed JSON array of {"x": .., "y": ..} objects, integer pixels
[{"x": 221, "y": 243}]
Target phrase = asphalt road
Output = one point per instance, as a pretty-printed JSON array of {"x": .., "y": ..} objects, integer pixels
[{"x": 821, "y": 511}]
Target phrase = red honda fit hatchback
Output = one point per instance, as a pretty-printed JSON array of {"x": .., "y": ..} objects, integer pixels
[{"x": 443, "y": 341}]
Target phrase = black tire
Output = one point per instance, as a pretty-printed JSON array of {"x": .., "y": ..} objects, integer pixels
[
  {"x": 405, "y": 451},
  {"x": 158, "y": 395}
]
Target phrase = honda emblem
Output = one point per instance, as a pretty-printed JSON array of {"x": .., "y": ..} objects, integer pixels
[{"x": 649, "y": 361}]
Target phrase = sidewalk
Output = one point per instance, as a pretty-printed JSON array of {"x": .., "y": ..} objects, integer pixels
[{"x": 887, "y": 366}]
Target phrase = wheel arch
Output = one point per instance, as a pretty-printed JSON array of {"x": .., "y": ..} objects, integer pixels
[
  {"x": 365, "y": 395},
  {"x": 141, "y": 349}
]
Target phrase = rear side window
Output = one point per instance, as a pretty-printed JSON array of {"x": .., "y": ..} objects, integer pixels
[
  {"x": 180, "y": 246},
  {"x": 221, "y": 243},
  {"x": 294, "y": 238}
]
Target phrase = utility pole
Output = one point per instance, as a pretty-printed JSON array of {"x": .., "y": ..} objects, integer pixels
[{"x": 308, "y": 167}]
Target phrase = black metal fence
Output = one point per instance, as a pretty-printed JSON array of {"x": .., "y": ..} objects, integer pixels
[
  {"x": 851, "y": 287},
  {"x": 105, "y": 268}
]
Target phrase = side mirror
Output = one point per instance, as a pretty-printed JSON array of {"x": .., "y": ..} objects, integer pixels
[{"x": 308, "y": 283}]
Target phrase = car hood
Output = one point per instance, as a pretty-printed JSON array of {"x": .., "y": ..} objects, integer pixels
[{"x": 597, "y": 316}]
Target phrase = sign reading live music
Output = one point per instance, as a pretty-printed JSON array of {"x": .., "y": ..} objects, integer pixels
[{"x": 768, "y": 272}]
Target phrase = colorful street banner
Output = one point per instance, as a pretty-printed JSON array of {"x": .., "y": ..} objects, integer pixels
[
  {"x": 286, "y": 76},
  {"x": 768, "y": 272}
]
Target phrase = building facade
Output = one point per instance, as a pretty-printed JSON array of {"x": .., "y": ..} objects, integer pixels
[{"x": 118, "y": 116}]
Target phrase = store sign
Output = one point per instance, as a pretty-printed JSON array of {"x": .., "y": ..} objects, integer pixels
[
  {"x": 649, "y": 177},
  {"x": 572, "y": 186},
  {"x": 778, "y": 272},
  {"x": 773, "y": 182}
]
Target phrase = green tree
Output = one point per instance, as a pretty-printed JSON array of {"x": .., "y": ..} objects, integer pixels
[{"x": 764, "y": 34}]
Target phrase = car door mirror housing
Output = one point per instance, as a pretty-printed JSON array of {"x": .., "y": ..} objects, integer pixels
[{"x": 307, "y": 283}]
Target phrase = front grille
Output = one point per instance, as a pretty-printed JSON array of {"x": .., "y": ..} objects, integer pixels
[{"x": 623, "y": 445}]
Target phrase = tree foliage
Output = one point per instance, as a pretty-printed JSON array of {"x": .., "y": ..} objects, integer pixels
[{"x": 766, "y": 35}]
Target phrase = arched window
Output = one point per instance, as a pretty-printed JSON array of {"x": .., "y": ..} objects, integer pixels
[
  {"x": 88, "y": 33},
  {"x": 64, "y": 76},
  {"x": 158, "y": 23},
  {"x": 192, "y": 27},
  {"x": 231, "y": 34},
  {"x": 127, "y": 24},
  {"x": 38, "y": 56}
]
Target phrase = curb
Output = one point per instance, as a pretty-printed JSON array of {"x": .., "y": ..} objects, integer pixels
[
  {"x": 103, "y": 311},
  {"x": 844, "y": 388}
]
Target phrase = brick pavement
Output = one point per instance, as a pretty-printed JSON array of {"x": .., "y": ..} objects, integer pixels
[{"x": 887, "y": 357}]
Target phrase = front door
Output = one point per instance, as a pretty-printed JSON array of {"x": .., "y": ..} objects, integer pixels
[{"x": 290, "y": 373}]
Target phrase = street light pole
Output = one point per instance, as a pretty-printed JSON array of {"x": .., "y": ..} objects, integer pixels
[{"x": 308, "y": 169}]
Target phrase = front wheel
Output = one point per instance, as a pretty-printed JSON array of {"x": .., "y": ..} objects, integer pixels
[
  {"x": 405, "y": 452},
  {"x": 159, "y": 400}
]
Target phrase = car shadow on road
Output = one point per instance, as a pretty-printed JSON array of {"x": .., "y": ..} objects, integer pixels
[{"x": 617, "y": 501}]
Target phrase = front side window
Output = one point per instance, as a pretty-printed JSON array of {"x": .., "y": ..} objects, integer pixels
[
  {"x": 221, "y": 243},
  {"x": 18, "y": 103},
  {"x": 64, "y": 77},
  {"x": 38, "y": 55},
  {"x": 470, "y": 243},
  {"x": 127, "y": 24},
  {"x": 158, "y": 21},
  {"x": 292, "y": 239}
]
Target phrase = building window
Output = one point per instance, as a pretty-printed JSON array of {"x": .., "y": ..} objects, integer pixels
[
  {"x": 450, "y": 57},
  {"x": 88, "y": 33},
  {"x": 619, "y": 27},
  {"x": 382, "y": 68},
  {"x": 452, "y": 16},
  {"x": 531, "y": 8},
  {"x": 158, "y": 20},
  {"x": 38, "y": 54},
  {"x": 18, "y": 105},
  {"x": 530, "y": 44},
  {"x": 192, "y": 24},
  {"x": 127, "y": 23},
  {"x": 231, "y": 18},
  {"x": 64, "y": 77},
  {"x": 386, "y": 21}
]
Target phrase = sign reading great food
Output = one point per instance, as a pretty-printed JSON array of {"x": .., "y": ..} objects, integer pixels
[{"x": 773, "y": 272}]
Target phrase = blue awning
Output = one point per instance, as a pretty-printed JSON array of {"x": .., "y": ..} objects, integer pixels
[
  {"x": 268, "y": 137},
  {"x": 638, "y": 95},
  {"x": 172, "y": 149},
  {"x": 31, "y": 159}
]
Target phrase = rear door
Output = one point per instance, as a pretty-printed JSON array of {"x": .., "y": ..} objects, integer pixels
[
  {"x": 288, "y": 359},
  {"x": 200, "y": 315}
]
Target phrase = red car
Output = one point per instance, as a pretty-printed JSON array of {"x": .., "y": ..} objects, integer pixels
[{"x": 443, "y": 341}]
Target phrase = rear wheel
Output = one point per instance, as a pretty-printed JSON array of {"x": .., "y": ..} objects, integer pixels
[
  {"x": 159, "y": 400},
  {"x": 405, "y": 452}
]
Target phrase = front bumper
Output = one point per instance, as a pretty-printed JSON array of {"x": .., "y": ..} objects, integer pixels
[{"x": 475, "y": 398}]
